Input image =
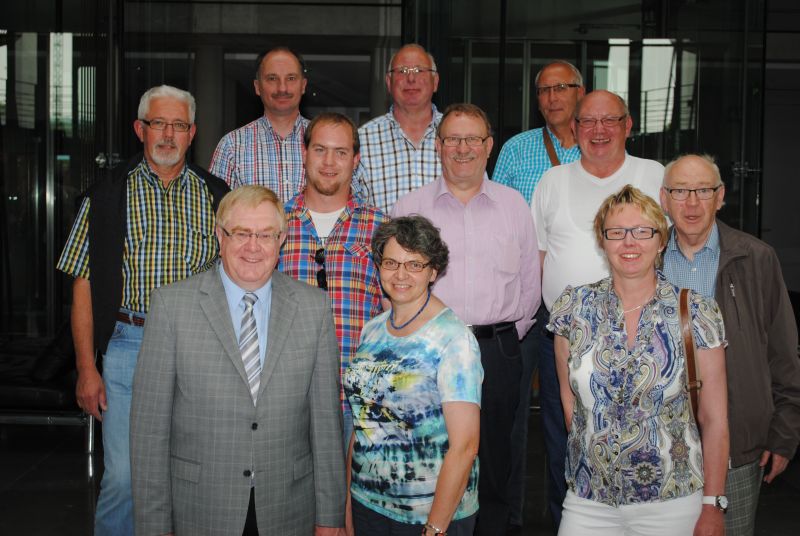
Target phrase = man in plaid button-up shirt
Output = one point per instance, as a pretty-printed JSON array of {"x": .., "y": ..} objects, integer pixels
[
  {"x": 148, "y": 226},
  {"x": 398, "y": 150},
  {"x": 329, "y": 234},
  {"x": 268, "y": 151}
]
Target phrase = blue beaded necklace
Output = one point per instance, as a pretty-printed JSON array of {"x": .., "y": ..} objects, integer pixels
[{"x": 424, "y": 305}]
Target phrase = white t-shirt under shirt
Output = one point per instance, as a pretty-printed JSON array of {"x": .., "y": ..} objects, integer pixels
[
  {"x": 564, "y": 206},
  {"x": 324, "y": 222}
]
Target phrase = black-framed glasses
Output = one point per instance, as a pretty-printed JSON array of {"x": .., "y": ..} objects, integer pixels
[
  {"x": 555, "y": 88},
  {"x": 608, "y": 122},
  {"x": 416, "y": 69},
  {"x": 639, "y": 233},
  {"x": 410, "y": 266},
  {"x": 471, "y": 141},
  {"x": 241, "y": 237},
  {"x": 682, "y": 194},
  {"x": 160, "y": 124},
  {"x": 322, "y": 276}
]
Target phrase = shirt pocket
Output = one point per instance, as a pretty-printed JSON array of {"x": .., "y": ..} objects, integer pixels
[
  {"x": 199, "y": 248},
  {"x": 505, "y": 256}
]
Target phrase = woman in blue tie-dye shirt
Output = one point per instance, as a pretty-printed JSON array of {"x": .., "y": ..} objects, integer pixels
[{"x": 414, "y": 386}]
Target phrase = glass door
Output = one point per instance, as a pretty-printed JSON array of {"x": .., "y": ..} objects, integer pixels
[{"x": 55, "y": 135}]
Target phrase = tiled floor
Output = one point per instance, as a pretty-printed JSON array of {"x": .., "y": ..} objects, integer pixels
[{"x": 45, "y": 487}]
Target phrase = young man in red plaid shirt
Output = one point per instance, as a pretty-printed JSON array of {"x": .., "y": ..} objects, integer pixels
[{"x": 329, "y": 234}]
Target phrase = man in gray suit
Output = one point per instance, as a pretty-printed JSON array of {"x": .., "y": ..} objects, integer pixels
[{"x": 235, "y": 421}]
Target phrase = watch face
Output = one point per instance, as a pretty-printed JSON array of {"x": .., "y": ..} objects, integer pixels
[{"x": 722, "y": 501}]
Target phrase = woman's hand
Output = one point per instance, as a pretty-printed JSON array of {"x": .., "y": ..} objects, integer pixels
[{"x": 710, "y": 523}]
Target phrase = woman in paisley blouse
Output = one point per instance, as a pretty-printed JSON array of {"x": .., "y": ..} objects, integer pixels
[
  {"x": 414, "y": 386},
  {"x": 635, "y": 460}
]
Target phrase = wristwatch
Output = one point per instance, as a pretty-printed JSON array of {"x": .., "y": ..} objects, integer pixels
[
  {"x": 430, "y": 528},
  {"x": 718, "y": 501}
]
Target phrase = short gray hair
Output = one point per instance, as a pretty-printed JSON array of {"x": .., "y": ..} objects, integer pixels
[
  {"x": 166, "y": 91},
  {"x": 577, "y": 76},
  {"x": 418, "y": 47},
  {"x": 622, "y": 102},
  {"x": 707, "y": 158}
]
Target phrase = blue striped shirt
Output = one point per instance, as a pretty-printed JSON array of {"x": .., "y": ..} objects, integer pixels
[
  {"x": 699, "y": 274},
  {"x": 391, "y": 166},
  {"x": 523, "y": 160}
]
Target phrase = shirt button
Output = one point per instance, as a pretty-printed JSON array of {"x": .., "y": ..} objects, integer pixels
[
  {"x": 255, "y": 426},
  {"x": 247, "y": 473},
  {"x": 694, "y": 269}
]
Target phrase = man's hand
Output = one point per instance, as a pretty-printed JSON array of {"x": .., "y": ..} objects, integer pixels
[
  {"x": 91, "y": 393},
  {"x": 779, "y": 464},
  {"x": 710, "y": 523}
]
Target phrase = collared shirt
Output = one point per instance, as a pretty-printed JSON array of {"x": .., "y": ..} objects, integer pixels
[
  {"x": 353, "y": 282},
  {"x": 698, "y": 274},
  {"x": 633, "y": 439},
  {"x": 523, "y": 160},
  {"x": 390, "y": 163},
  {"x": 169, "y": 235},
  {"x": 235, "y": 294},
  {"x": 493, "y": 275},
  {"x": 256, "y": 154}
]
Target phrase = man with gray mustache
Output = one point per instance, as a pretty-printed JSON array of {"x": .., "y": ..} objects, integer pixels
[{"x": 150, "y": 225}]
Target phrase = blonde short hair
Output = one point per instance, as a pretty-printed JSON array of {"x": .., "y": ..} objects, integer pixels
[
  {"x": 650, "y": 209},
  {"x": 250, "y": 196}
]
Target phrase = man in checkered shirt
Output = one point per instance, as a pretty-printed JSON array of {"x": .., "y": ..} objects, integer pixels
[
  {"x": 329, "y": 235},
  {"x": 398, "y": 150},
  {"x": 521, "y": 164},
  {"x": 268, "y": 151}
]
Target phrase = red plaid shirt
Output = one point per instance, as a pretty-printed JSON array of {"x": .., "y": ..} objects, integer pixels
[{"x": 353, "y": 282}]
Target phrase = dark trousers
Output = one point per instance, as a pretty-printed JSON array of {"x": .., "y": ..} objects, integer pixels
[
  {"x": 368, "y": 522},
  {"x": 553, "y": 427},
  {"x": 500, "y": 357},
  {"x": 529, "y": 354},
  {"x": 250, "y": 525}
]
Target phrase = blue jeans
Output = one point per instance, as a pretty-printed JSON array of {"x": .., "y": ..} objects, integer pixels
[
  {"x": 114, "y": 513},
  {"x": 553, "y": 427}
]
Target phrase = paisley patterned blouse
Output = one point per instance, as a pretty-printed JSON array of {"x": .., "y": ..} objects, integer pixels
[{"x": 633, "y": 439}]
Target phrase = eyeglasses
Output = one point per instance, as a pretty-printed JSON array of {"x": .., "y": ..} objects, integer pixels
[
  {"x": 264, "y": 239},
  {"x": 639, "y": 233},
  {"x": 322, "y": 276},
  {"x": 410, "y": 266},
  {"x": 589, "y": 123},
  {"x": 160, "y": 124},
  {"x": 682, "y": 194},
  {"x": 555, "y": 88},
  {"x": 471, "y": 141},
  {"x": 405, "y": 71}
]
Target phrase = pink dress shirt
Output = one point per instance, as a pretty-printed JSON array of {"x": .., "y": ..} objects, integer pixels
[{"x": 494, "y": 273}]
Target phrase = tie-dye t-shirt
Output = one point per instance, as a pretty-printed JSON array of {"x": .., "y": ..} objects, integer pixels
[{"x": 396, "y": 387}]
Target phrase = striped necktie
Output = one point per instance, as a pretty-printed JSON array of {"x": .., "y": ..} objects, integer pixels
[{"x": 248, "y": 345}]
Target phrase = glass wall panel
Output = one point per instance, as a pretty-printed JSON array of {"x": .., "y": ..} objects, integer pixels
[{"x": 52, "y": 81}]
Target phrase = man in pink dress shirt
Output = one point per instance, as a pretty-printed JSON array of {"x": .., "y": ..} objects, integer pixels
[{"x": 492, "y": 283}]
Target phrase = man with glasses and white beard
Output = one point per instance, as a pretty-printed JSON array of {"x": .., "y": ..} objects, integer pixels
[
  {"x": 150, "y": 225},
  {"x": 564, "y": 205}
]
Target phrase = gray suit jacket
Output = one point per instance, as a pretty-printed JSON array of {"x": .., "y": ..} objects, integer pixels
[{"x": 195, "y": 434}]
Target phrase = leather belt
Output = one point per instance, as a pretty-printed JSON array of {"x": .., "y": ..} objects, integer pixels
[
  {"x": 133, "y": 319},
  {"x": 489, "y": 331}
]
